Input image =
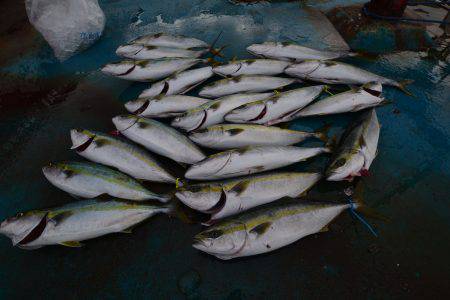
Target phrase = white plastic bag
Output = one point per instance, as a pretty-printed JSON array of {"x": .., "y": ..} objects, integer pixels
[{"x": 68, "y": 26}]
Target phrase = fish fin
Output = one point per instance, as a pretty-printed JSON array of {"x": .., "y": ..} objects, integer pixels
[
  {"x": 72, "y": 244},
  {"x": 128, "y": 230},
  {"x": 25, "y": 247},
  {"x": 332, "y": 143},
  {"x": 261, "y": 228},
  {"x": 322, "y": 132},
  {"x": 302, "y": 194},
  {"x": 57, "y": 218},
  {"x": 330, "y": 63},
  {"x": 104, "y": 197},
  {"x": 75, "y": 196},
  {"x": 235, "y": 131},
  {"x": 386, "y": 102},
  {"x": 185, "y": 214},
  {"x": 100, "y": 142},
  {"x": 68, "y": 173},
  {"x": 234, "y": 59},
  {"x": 240, "y": 187},
  {"x": 213, "y": 62},
  {"x": 401, "y": 85},
  {"x": 358, "y": 198},
  {"x": 362, "y": 141},
  {"x": 324, "y": 229},
  {"x": 217, "y": 51}
]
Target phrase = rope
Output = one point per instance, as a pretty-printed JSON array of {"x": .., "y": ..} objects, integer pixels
[{"x": 359, "y": 217}]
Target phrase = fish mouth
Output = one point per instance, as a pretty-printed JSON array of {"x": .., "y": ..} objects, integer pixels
[
  {"x": 143, "y": 108},
  {"x": 35, "y": 233}
]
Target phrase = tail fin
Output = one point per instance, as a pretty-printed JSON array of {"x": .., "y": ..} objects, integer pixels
[
  {"x": 332, "y": 144},
  {"x": 401, "y": 85},
  {"x": 184, "y": 213},
  {"x": 322, "y": 133},
  {"x": 213, "y": 62},
  {"x": 218, "y": 51},
  {"x": 358, "y": 199}
]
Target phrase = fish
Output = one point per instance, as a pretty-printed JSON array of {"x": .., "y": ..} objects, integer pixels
[
  {"x": 72, "y": 223},
  {"x": 244, "y": 84},
  {"x": 158, "y": 138},
  {"x": 178, "y": 83},
  {"x": 89, "y": 180},
  {"x": 354, "y": 100},
  {"x": 120, "y": 154},
  {"x": 164, "y": 106},
  {"x": 139, "y": 52},
  {"x": 269, "y": 111},
  {"x": 357, "y": 148},
  {"x": 213, "y": 112},
  {"x": 246, "y": 161},
  {"x": 333, "y": 72},
  {"x": 148, "y": 70},
  {"x": 225, "y": 198},
  {"x": 231, "y": 136},
  {"x": 293, "y": 52},
  {"x": 268, "y": 228},
  {"x": 167, "y": 40},
  {"x": 252, "y": 67}
]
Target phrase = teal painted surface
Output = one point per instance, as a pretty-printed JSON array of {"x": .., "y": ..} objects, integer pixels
[
  {"x": 409, "y": 182},
  {"x": 374, "y": 40}
]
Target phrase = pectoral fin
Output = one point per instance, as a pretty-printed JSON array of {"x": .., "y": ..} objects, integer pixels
[
  {"x": 57, "y": 218},
  {"x": 261, "y": 228},
  {"x": 240, "y": 187},
  {"x": 72, "y": 244}
]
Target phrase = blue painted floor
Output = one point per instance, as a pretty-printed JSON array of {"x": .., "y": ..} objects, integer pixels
[{"x": 409, "y": 182}]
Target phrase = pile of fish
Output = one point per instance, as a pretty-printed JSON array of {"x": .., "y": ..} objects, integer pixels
[{"x": 232, "y": 118}]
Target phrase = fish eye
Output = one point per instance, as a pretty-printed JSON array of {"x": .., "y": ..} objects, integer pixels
[
  {"x": 214, "y": 234},
  {"x": 340, "y": 162},
  {"x": 19, "y": 215}
]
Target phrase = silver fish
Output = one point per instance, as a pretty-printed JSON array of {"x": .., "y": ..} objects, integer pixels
[
  {"x": 178, "y": 83},
  {"x": 168, "y": 40},
  {"x": 267, "y": 228},
  {"x": 357, "y": 148},
  {"x": 244, "y": 83},
  {"x": 225, "y": 198},
  {"x": 118, "y": 153},
  {"x": 69, "y": 224},
  {"x": 214, "y": 111},
  {"x": 269, "y": 111},
  {"x": 252, "y": 67},
  {"x": 351, "y": 101},
  {"x": 164, "y": 106},
  {"x": 290, "y": 51},
  {"x": 137, "y": 51},
  {"x": 148, "y": 70},
  {"x": 334, "y": 72},
  {"x": 231, "y": 136},
  {"x": 238, "y": 162},
  {"x": 158, "y": 138},
  {"x": 88, "y": 180}
]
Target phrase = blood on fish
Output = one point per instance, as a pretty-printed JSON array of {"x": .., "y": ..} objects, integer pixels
[
  {"x": 115, "y": 133},
  {"x": 364, "y": 173}
]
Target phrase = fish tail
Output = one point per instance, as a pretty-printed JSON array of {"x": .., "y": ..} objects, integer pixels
[
  {"x": 187, "y": 215},
  {"x": 212, "y": 61},
  {"x": 322, "y": 133},
  {"x": 331, "y": 144},
  {"x": 217, "y": 51},
  {"x": 401, "y": 85},
  {"x": 359, "y": 205}
]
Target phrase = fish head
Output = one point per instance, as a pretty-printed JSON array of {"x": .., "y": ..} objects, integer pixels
[
  {"x": 303, "y": 69},
  {"x": 261, "y": 49},
  {"x": 57, "y": 172},
  {"x": 345, "y": 166},
  {"x": 123, "y": 122},
  {"x": 191, "y": 120},
  {"x": 137, "y": 106},
  {"x": 201, "y": 197},
  {"x": 118, "y": 68},
  {"x": 80, "y": 138},
  {"x": 209, "y": 135},
  {"x": 17, "y": 228},
  {"x": 227, "y": 69},
  {"x": 209, "y": 166},
  {"x": 127, "y": 50},
  {"x": 247, "y": 112},
  {"x": 222, "y": 239}
]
